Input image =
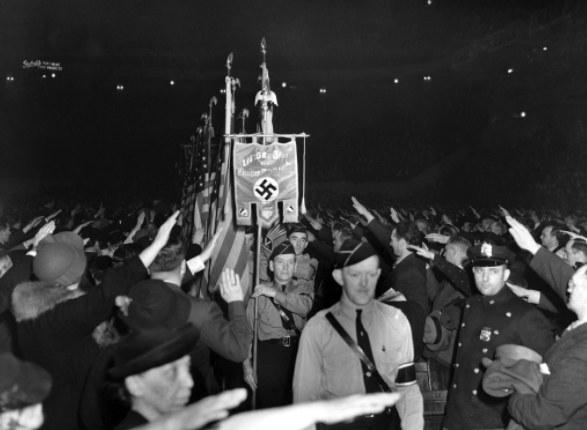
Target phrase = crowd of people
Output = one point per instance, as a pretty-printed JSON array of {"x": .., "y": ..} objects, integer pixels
[{"x": 105, "y": 322}]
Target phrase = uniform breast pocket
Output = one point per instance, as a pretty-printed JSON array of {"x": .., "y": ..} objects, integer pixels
[{"x": 339, "y": 373}]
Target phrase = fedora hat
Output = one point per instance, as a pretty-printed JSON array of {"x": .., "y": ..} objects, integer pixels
[{"x": 152, "y": 347}]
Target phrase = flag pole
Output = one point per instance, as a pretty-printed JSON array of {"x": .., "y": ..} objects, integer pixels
[{"x": 256, "y": 312}]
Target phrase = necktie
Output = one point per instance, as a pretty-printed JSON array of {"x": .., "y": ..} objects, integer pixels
[{"x": 371, "y": 384}]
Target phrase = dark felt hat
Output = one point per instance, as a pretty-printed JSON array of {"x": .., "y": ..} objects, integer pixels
[
  {"x": 153, "y": 303},
  {"x": 152, "y": 347},
  {"x": 489, "y": 255},
  {"x": 22, "y": 384},
  {"x": 353, "y": 251},
  {"x": 60, "y": 259}
]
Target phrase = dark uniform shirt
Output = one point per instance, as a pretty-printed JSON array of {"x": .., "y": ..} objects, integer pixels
[{"x": 488, "y": 322}]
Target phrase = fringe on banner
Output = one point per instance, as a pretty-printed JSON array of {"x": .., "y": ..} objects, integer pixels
[
  {"x": 290, "y": 211},
  {"x": 244, "y": 215}
]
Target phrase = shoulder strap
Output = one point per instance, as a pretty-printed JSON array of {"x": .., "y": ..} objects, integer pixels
[
  {"x": 287, "y": 320},
  {"x": 358, "y": 350}
]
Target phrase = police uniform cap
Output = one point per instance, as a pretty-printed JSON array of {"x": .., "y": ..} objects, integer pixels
[{"x": 489, "y": 255}]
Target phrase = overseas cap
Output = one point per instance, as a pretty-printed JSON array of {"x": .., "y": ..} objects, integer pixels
[
  {"x": 282, "y": 248},
  {"x": 297, "y": 228},
  {"x": 353, "y": 251}
]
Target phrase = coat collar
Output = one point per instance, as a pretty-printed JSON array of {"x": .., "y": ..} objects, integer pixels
[
  {"x": 32, "y": 299},
  {"x": 289, "y": 287},
  {"x": 501, "y": 297}
]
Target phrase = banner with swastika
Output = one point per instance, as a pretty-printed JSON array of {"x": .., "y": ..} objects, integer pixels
[{"x": 265, "y": 175}]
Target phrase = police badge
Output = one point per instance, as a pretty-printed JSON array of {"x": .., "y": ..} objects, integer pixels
[{"x": 485, "y": 334}]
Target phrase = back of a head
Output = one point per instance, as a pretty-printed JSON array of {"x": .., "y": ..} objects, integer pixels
[
  {"x": 346, "y": 233},
  {"x": 459, "y": 243},
  {"x": 170, "y": 257},
  {"x": 408, "y": 231},
  {"x": 448, "y": 230}
]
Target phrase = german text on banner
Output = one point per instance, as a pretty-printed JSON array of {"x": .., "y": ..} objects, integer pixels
[{"x": 265, "y": 175}]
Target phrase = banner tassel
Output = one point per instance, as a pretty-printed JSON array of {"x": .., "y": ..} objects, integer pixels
[{"x": 303, "y": 209}]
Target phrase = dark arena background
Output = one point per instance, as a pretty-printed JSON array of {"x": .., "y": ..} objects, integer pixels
[{"x": 450, "y": 100}]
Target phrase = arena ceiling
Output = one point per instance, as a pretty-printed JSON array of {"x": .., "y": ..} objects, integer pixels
[{"x": 354, "y": 49}]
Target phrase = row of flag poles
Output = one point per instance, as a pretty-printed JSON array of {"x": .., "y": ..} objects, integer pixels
[
  {"x": 207, "y": 194},
  {"x": 208, "y": 186}
]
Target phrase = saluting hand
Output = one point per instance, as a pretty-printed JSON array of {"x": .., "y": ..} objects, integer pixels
[
  {"x": 522, "y": 236},
  {"x": 230, "y": 286},
  {"x": 422, "y": 252},
  {"x": 362, "y": 210},
  {"x": 207, "y": 252}
]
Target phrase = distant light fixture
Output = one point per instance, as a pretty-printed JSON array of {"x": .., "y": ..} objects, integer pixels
[
  {"x": 429, "y": 2},
  {"x": 222, "y": 90},
  {"x": 396, "y": 81},
  {"x": 510, "y": 70},
  {"x": 44, "y": 76},
  {"x": 545, "y": 48},
  {"x": 172, "y": 83},
  {"x": 523, "y": 114},
  {"x": 323, "y": 90},
  {"x": 284, "y": 84},
  {"x": 52, "y": 75}
]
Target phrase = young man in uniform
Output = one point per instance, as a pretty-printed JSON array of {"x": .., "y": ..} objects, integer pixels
[
  {"x": 282, "y": 309},
  {"x": 327, "y": 367}
]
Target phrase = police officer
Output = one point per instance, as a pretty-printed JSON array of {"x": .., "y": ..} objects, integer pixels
[
  {"x": 493, "y": 318},
  {"x": 282, "y": 309}
]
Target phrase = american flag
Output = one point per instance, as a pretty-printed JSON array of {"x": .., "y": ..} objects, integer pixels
[
  {"x": 191, "y": 169},
  {"x": 204, "y": 182},
  {"x": 230, "y": 251}
]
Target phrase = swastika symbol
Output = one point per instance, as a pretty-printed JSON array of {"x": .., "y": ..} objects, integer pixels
[{"x": 266, "y": 189}]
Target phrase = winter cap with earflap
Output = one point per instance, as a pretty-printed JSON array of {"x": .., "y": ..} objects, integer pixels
[{"x": 60, "y": 259}]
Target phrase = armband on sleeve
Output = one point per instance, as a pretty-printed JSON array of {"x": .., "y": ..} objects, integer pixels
[{"x": 406, "y": 375}]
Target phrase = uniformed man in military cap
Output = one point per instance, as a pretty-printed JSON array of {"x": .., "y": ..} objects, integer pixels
[
  {"x": 282, "y": 309},
  {"x": 328, "y": 367},
  {"x": 490, "y": 319},
  {"x": 306, "y": 266}
]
